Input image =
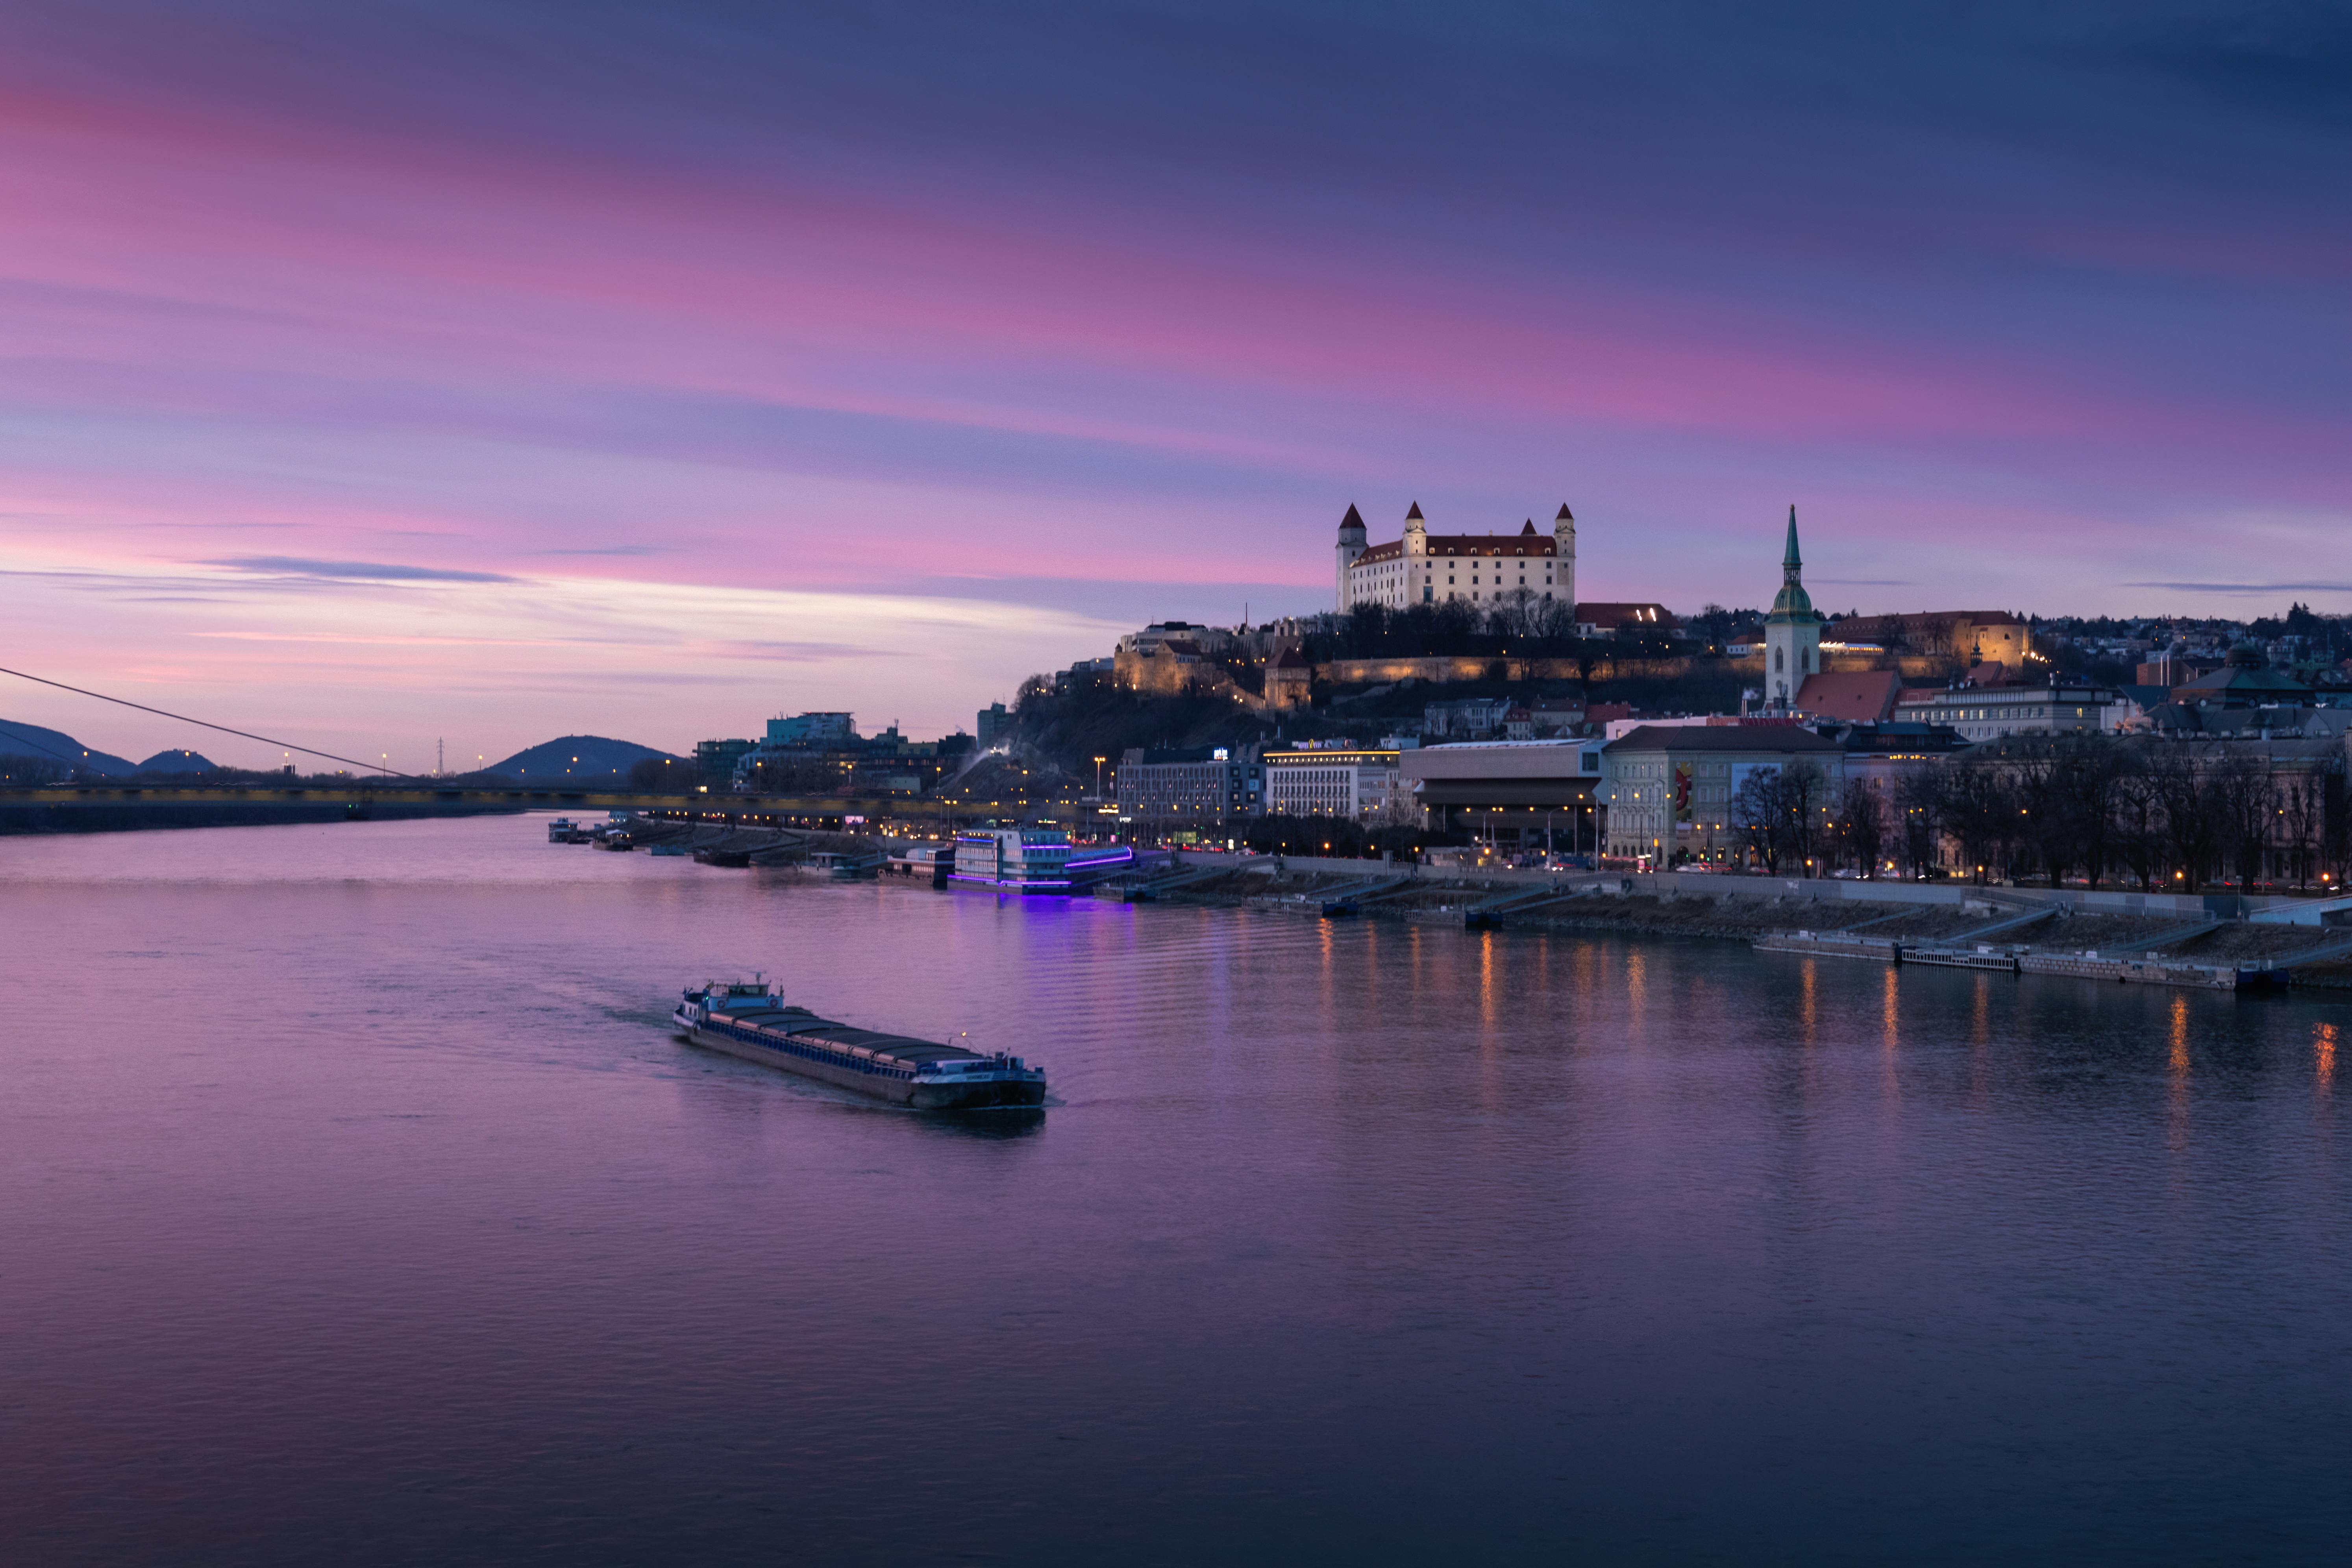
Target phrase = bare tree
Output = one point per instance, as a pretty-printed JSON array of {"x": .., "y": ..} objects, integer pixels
[
  {"x": 2245, "y": 808},
  {"x": 1919, "y": 817},
  {"x": 2138, "y": 818},
  {"x": 2302, "y": 820},
  {"x": 1981, "y": 813},
  {"x": 1862, "y": 824},
  {"x": 2177, "y": 776}
]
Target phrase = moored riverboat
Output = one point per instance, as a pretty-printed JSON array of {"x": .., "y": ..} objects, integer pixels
[
  {"x": 1033, "y": 861},
  {"x": 749, "y": 1019}
]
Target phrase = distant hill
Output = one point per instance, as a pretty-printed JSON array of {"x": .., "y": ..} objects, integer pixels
[
  {"x": 32, "y": 741},
  {"x": 179, "y": 762},
  {"x": 578, "y": 757}
]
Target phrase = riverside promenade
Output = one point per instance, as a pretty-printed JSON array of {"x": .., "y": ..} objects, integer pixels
[{"x": 2213, "y": 940}]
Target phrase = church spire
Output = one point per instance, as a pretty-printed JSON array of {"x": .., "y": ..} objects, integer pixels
[{"x": 1792, "y": 564}]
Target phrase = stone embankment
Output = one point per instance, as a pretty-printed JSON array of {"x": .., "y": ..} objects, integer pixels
[{"x": 2166, "y": 939}]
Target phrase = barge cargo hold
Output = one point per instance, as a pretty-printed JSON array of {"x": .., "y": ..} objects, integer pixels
[{"x": 749, "y": 1019}]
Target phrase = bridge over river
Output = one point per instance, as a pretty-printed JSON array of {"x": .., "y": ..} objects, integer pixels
[{"x": 105, "y": 807}]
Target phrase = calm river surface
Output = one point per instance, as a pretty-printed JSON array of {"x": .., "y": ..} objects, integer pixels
[{"x": 356, "y": 1206}]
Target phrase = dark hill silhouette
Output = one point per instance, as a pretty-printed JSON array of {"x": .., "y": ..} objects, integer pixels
[
  {"x": 180, "y": 761},
  {"x": 55, "y": 745},
  {"x": 578, "y": 757}
]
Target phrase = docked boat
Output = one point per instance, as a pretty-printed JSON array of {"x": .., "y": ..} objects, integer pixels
[
  {"x": 933, "y": 862},
  {"x": 735, "y": 859},
  {"x": 1033, "y": 860},
  {"x": 564, "y": 830},
  {"x": 749, "y": 1019},
  {"x": 845, "y": 868}
]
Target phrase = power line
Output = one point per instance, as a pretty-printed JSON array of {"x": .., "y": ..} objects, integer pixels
[{"x": 201, "y": 724}]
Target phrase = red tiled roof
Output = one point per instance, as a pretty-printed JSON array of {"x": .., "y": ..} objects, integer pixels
[
  {"x": 1505, "y": 546},
  {"x": 1863, "y": 697},
  {"x": 1491, "y": 544}
]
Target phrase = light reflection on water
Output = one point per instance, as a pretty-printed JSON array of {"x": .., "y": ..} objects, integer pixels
[{"x": 359, "y": 1206}]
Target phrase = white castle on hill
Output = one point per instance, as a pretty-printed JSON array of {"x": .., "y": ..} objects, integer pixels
[{"x": 1425, "y": 568}]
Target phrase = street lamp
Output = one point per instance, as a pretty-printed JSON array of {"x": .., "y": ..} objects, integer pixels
[{"x": 1099, "y": 765}]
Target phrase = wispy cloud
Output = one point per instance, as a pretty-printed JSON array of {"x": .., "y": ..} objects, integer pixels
[
  {"x": 356, "y": 571},
  {"x": 790, "y": 652},
  {"x": 2248, "y": 587}
]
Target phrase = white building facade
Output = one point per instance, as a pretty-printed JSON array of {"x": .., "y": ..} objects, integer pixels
[
  {"x": 1362, "y": 785},
  {"x": 1423, "y": 568}
]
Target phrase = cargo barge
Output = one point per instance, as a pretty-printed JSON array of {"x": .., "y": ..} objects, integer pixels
[{"x": 749, "y": 1019}]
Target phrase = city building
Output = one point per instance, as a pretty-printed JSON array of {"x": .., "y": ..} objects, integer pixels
[
  {"x": 1358, "y": 783},
  {"x": 1602, "y": 620},
  {"x": 1672, "y": 790},
  {"x": 1792, "y": 631},
  {"x": 993, "y": 721},
  {"x": 1199, "y": 784},
  {"x": 1514, "y": 795},
  {"x": 1289, "y": 680},
  {"x": 1168, "y": 666},
  {"x": 1975, "y": 637},
  {"x": 812, "y": 730},
  {"x": 2240, "y": 686},
  {"x": 716, "y": 760},
  {"x": 1423, "y": 568},
  {"x": 1989, "y": 712},
  {"x": 1215, "y": 641}
]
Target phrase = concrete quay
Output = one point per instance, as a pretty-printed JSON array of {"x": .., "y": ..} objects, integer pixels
[{"x": 2207, "y": 941}]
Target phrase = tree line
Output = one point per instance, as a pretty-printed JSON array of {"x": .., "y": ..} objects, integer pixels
[{"x": 2145, "y": 812}]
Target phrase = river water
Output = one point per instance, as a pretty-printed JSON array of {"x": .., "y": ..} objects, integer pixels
[{"x": 356, "y": 1206}]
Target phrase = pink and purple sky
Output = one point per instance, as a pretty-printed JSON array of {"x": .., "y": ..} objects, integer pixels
[{"x": 375, "y": 373}]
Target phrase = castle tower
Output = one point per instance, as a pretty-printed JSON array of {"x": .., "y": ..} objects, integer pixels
[
  {"x": 1351, "y": 544},
  {"x": 1792, "y": 632},
  {"x": 1563, "y": 534},
  {"x": 1416, "y": 532}
]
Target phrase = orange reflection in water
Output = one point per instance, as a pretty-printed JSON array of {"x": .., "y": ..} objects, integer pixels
[
  {"x": 2322, "y": 1047},
  {"x": 2176, "y": 1062},
  {"x": 1888, "y": 1024},
  {"x": 1487, "y": 982}
]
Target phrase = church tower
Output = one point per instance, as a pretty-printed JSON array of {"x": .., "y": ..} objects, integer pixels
[
  {"x": 1792, "y": 632},
  {"x": 1563, "y": 534},
  {"x": 1351, "y": 544}
]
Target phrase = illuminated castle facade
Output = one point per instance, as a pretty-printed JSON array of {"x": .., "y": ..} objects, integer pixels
[{"x": 1425, "y": 568}]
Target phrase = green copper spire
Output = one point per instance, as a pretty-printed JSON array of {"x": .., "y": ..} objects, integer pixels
[{"x": 1794, "y": 603}]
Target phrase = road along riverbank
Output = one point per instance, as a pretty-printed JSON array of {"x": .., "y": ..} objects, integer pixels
[{"x": 2219, "y": 941}]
